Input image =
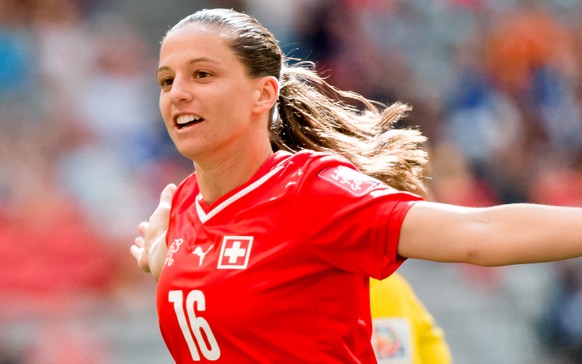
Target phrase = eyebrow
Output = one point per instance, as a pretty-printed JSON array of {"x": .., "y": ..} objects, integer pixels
[{"x": 193, "y": 61}]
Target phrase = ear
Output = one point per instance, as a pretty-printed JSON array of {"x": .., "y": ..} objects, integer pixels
[{"x": 267, "y": 94}]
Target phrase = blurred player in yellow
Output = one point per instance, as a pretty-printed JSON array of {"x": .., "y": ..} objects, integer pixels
[{"x": 404, "y": 332}]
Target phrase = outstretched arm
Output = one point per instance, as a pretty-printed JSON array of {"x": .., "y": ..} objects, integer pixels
[
  {"x": 150, "y": 248},
  {"x": 491, "y": 236}
]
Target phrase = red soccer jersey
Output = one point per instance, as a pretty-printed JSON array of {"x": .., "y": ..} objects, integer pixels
[{"x": 277, "y": 270}]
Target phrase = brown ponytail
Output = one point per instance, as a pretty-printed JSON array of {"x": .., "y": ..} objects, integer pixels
[{"x": 316, "y": 115}]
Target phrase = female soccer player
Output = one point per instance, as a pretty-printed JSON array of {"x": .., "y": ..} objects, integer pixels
[{"x": 295, "y": 203}]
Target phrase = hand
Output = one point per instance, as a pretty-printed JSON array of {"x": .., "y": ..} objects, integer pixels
[{"x": 149, "y": 249}]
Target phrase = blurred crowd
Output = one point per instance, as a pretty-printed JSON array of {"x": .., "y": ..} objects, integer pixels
[{"x": 496, "y": 85}]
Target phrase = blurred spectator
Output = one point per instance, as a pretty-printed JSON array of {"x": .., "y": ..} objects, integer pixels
[
  {"x": 116, "y": 111},
  {"x": 20, "y": 83},
  {"x": 58, "y": 263},
  {"x": 531, "y": 56},
  {"x": 16, "y": 47},
  {"x": 64, "y": 48},
  {"x": 61, "y": 103},
  {"x": 484, "y": 123}
]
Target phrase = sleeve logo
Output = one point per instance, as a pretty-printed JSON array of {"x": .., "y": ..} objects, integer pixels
[
  {"x": 235, "y": 252},
  {"x": 349, "y": 180}
]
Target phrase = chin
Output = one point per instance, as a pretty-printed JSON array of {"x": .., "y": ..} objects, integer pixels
[{"x": 189, "y": 153}]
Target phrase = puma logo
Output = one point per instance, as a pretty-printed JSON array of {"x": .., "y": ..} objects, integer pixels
[{"x": 201, "y": 254}]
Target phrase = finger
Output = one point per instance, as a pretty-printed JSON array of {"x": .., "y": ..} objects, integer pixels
[
  {"x": 142, "y": 227},
  {"x": 136, "y": 251},
  {"x": 161, "y": 214},
  {"x": 166, "y": 198},
  {"x": 138, "y": 254},
  {"x": 139, "y": 241},
  {"x": 167, "y": 195}
]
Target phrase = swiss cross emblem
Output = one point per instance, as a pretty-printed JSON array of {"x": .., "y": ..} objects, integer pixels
[
  {"x": 348, "y": 179},
  {"x": 235, "y": 252}
]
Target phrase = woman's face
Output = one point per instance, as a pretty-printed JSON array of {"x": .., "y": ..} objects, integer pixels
[{"x": 207, "y": 99}]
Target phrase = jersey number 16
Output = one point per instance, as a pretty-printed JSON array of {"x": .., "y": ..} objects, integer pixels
[{"x": 194, "y": 328}]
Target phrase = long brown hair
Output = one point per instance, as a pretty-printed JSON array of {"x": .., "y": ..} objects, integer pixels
[{"x": 313, "y": 114}]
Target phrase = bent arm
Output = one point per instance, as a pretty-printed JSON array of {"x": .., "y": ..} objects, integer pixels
[{"x": 491, "y": 236}]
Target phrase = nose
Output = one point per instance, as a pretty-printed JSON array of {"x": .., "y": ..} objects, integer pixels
[{"x": 180, "y": 91}]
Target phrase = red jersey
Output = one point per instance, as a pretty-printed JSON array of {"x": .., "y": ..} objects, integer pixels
[{"x": 277, "y": 270}]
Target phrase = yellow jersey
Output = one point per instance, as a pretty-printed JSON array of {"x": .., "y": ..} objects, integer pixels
[{"x": 404, "y": 332}]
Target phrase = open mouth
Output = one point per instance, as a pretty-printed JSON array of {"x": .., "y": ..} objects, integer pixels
[{"x": 184, "y": 121}]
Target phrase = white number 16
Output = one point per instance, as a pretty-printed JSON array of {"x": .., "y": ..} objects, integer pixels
[{"x": 193, "y": 328}]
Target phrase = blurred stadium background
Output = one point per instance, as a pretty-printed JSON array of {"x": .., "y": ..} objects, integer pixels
[{"x": 495, "y": 84}]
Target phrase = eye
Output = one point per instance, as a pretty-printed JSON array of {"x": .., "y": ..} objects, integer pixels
[
  {"x": 165, "y": 82},
  {"x": 201, "y": 74}
]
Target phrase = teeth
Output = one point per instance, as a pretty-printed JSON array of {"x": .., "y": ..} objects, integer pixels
[{"x": 185, "y": 119}]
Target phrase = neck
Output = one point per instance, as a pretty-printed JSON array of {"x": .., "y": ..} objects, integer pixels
[{"x": 224, "y": 175}]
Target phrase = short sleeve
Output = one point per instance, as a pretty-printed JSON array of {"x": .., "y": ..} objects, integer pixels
[{"x": 353, "y": 221}]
